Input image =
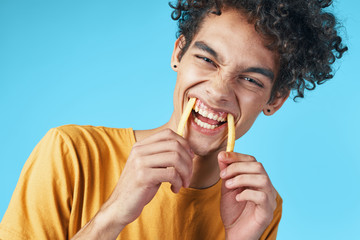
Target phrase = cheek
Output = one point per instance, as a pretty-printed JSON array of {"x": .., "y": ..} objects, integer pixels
[
  {"x": 192, "y": 74},
  {"x": 250, "y": 105},
  {"x": 189, "y": 75}
]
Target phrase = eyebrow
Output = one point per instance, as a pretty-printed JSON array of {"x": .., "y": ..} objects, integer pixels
[
  {"x": 204, "y": 47},
  {"x": 263, "y": 71}
]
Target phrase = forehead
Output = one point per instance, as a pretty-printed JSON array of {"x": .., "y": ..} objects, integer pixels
[{"x": 235, "y": 40}]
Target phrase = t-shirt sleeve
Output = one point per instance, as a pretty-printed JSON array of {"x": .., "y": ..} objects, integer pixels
[
  {"x": 41, "y": 203},
  {"x": 271, "y": 231}
]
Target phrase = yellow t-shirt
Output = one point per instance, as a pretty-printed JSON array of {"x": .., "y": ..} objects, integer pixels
[{"x": 72, "y": 172}]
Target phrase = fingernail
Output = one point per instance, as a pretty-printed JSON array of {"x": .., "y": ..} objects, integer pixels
[
  {"x": 223, "y": 173},
  {"x": 229, "y": 182}
]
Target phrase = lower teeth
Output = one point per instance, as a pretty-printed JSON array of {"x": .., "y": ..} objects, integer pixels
[{"x": 204, "y": 125}]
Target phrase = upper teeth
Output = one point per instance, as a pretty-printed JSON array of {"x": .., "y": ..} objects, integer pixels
[
  {"x": 210, "y": 115},
  {"x": 205, "y": 125}
]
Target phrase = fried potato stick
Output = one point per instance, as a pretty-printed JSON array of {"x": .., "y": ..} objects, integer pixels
[
  {"x": 185, "y": 116},
  {"x": 230, "y": 120},
  {"x": 231, "y": 133}
]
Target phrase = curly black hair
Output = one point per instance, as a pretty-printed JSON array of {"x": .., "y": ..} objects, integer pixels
[{"x": 305, "y": 36}]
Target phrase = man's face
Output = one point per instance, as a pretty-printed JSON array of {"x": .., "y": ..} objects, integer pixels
[{"x": 229, "y": 70}]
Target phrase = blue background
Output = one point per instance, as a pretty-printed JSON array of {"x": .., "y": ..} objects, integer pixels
[{"x": 108, "y": 63}]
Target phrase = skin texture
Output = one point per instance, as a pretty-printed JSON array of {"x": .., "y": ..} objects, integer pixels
[{"x": 225, "y": 82}]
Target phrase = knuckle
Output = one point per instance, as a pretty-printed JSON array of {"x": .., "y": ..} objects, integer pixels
[
  {"x": 259, "y": 166},
  {"x": 274, "y": 195},
  {"x": 273, "y": 206},
  {"x": 168, "y": 131},
  {"x": 269, "y": 218},
  {"x": 251, "y": 158},
  {"x": 137, "y": 163},
  {"x": 141, "y": 175},
  {"x": 239, "y": 179},
  {"x": 136, "y": 150},
  {"x": 136, "y": 144},
  {"x": 176, "y": 157},
  {"x": 172, "y": 173},
  {"x": 263, "y": 197},
  {"x": 175, "y": 144},
  {"x": 264, "y": 180}
]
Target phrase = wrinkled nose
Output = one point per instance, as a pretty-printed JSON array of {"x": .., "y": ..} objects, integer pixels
[{"x": 219, "y": 88}]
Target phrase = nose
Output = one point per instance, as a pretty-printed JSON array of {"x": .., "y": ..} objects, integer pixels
[{"x": 219, "y": 88}]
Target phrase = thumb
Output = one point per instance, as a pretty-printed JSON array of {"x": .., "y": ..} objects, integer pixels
[{"x": 222, "y": 160}]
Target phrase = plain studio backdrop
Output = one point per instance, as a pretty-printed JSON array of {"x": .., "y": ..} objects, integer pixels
[{"x": 107, "y": 63}]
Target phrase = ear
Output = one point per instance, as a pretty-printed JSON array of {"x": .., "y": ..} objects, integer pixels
[
  {"x": 175, "y": 58},
  {"x": 275, "y": 104}
]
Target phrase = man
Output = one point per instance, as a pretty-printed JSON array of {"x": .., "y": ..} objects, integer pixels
[{"x": 234, "y": 57}]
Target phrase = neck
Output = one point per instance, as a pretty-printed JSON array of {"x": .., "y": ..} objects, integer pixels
[{"x": 205, "y": 171}]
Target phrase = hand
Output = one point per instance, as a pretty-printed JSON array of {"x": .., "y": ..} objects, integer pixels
[
  {"x": 248, "y": 198},
  {"x": 162, "y": 157}
]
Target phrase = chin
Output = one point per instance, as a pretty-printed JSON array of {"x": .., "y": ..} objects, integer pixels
[{"x": 205, "y": 147}]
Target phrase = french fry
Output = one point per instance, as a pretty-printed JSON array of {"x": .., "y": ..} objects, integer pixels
[
  {"x": 231, "y": 133},
  {"x": 185, "y": 116},
  {"x": 230, "y": 120}
]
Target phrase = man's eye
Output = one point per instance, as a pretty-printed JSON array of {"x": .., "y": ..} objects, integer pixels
[
  {"x": 253, "y": 81},
  {"x": 206, "y": 60}
]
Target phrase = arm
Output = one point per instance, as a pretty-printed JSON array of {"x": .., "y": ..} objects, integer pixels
[
  {"x": 42, "y": 203},
  {"x": 163, "y": 157},
  {"x": 39, "y": 206}
]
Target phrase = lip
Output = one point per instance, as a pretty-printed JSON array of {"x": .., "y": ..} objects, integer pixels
[
  {"x": 206, "y": 131},
  {"x": 217, "y": 109}
]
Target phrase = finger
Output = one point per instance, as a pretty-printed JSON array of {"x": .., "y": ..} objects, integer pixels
[
  {"x": 230, "y": 157},
  {"x": 159, "y": 175},
  {"x": 238, "y": 168},
  {"x": 222, "y": 159},
  {"x": 161, "y": 146},
  {"x": 227, "y": 158},
  {"x": 257, "y": 181},
  {"x": 165, "y": 135},
  {"x": 178, "y": 160},
  {"x": 258, "y": 197}
]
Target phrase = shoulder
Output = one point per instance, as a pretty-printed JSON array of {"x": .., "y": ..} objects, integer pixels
[
  {"x": 82, "y": 130},
  {"x": 85, "y": 147},
  {"x": 95, "y": 143},
  {"x": 73, "y": 134}
]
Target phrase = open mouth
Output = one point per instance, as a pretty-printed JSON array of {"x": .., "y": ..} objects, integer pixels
[{"x": 206, "y": 117}]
